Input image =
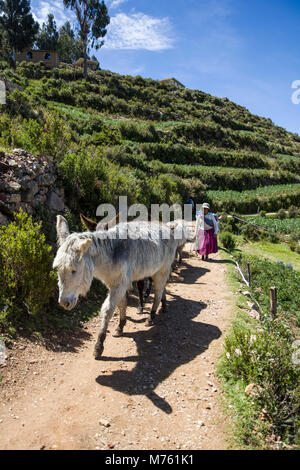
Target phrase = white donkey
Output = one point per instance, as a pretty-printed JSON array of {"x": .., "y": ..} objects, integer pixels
[{"x": 123, "y": 254}]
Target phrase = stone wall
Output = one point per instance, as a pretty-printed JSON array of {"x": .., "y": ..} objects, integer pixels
[{"x": 28, "y": 181}]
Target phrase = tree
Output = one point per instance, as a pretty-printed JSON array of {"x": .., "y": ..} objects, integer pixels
[
  {"x": 92, "y": 16},
  {"x": 69, "y": 46},
  {"x": 48, "y": 36},
  {"x": 18, "y": 24}
]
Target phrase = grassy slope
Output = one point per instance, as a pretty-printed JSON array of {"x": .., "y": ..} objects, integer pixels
[{"x": 214, "y": 141}]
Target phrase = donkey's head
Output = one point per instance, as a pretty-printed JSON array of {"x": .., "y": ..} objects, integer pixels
[{"x": 74, "y": 264}]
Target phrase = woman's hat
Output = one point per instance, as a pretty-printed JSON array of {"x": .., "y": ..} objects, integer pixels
[{"x": 206, "y": 206}]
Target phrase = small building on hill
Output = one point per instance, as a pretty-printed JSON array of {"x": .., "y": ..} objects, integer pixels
[
  {"x": 49, "y": 58},
  {"x": 91, "y": 64},
  {"x": 173, "y": 81}
]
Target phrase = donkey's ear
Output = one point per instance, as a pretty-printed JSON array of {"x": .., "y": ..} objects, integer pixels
[
  {"x": 83, "y": 245},
  {"x": 62, "y": 229},
  {"x": 88, "y": 223}
]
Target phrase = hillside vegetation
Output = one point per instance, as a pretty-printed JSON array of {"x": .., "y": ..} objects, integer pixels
[{"x": 114, "y": 135}]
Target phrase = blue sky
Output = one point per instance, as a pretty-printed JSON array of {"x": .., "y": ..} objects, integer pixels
[{"x": 247, "y": 51}]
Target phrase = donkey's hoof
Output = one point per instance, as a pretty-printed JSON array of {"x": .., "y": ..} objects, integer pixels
[
  {"x": 140, "y": 311},
  {"x": 98, "y": 352},
  {"x": 150, "y": 322},
  {"x": 118, "y": 333}
]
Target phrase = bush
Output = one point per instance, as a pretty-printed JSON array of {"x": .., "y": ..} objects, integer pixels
[
  {"x": 264, "y": 359},
  {"x": 293, "y": 212},
  {"x": 281, "y": 214},
  {"x": 263, "y": 213},
  {"x": 228, "y": 241},
  {"x": 26, "y": 278},
  {"x": 250, "y": 232},
  {"x": 273, "y": 238},
  {"x": 49, "y": 136},
  {"x": 293, "y": 245}
]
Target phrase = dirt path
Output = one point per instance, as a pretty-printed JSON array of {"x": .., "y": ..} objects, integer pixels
[{"x": 154, "y": 389}]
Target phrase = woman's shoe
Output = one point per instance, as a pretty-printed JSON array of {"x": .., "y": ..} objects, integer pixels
[
  {"x": 206, "y": 258},
  {"x": 202, "y": 257}
]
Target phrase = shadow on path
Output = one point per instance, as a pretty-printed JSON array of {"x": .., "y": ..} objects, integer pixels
[{"x": 174, "y": 340}]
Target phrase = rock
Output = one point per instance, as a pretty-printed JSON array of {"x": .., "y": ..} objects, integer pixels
[
  {"x": 247, "y": 293},
  {"x": 13, "y": 187},
  {"x": 46, "y": 179},
  {"x": 14, "y": 198},
  {"x": 3, "y": 166},
  {"x": 200, "y": 423},
  {"x": 251, "y": 305},
  {"x": 32, "y": 190},
  {"x": 254, "y": 314},
  {"x": 39, "y": 200},
  {"x": 103, "y": 422},
  {"x": 12, "y": 163},
  {"x": 54, "y": 202},
  {"x": 19, "y": 152},
  {"x": 3, "y": 219}
]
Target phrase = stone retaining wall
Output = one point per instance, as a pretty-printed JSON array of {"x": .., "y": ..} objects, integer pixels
[{"x": 28, "y": 181}]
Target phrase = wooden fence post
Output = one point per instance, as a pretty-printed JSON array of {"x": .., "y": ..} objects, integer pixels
[
  {"x": 273, "y": 299},
  {"x": 249, "y": 274}
]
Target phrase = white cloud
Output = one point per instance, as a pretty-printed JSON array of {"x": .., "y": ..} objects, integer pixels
[
  {"x": 61, "y": 14},
  {"x": 116, "y": 3},
  {"x": 139, "y": 31}
]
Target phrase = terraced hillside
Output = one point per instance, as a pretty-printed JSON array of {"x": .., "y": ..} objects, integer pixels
[{"x": 116, "y": 135}]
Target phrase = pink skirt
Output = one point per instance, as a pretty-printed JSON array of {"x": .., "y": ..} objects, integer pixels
[{"x": 207, "y": 242}]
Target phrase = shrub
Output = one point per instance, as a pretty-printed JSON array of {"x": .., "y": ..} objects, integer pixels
[
  {"x": 26, "y": 278},
  {"x": 273, "y": 238},
  {"x": 263, "y": 213},
  {"x": 264, "y": 359},
  {"x": 293, "y": 245},
  {"x": 50, "y": 136},
  {"x": 293, "y": 212},
  {"x": 281, "y": 214},
  {"x": 228, "y": 241},
  {"x": 250, "y": 232}
]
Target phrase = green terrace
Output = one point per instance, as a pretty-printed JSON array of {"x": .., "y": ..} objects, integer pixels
[{"x": 194, "y": 142}]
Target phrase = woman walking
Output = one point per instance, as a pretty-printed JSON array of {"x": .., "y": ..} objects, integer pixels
[{"x": 207, "y": 229}]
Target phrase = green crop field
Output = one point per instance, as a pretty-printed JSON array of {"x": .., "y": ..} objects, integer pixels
[{"x": 284, "y": 226}]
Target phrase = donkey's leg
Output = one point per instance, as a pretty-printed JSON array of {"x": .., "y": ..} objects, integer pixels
[
  {"x": 160, "y": 279},
  {"x": 113, "y": 299},
  {"x": 148, "y": 290},
  {"x": 140, "y": 286},
  {"x": 179, "y": 252},
  {"x": 122, "y": 312},
  {"x": 164, "y": 301}
]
